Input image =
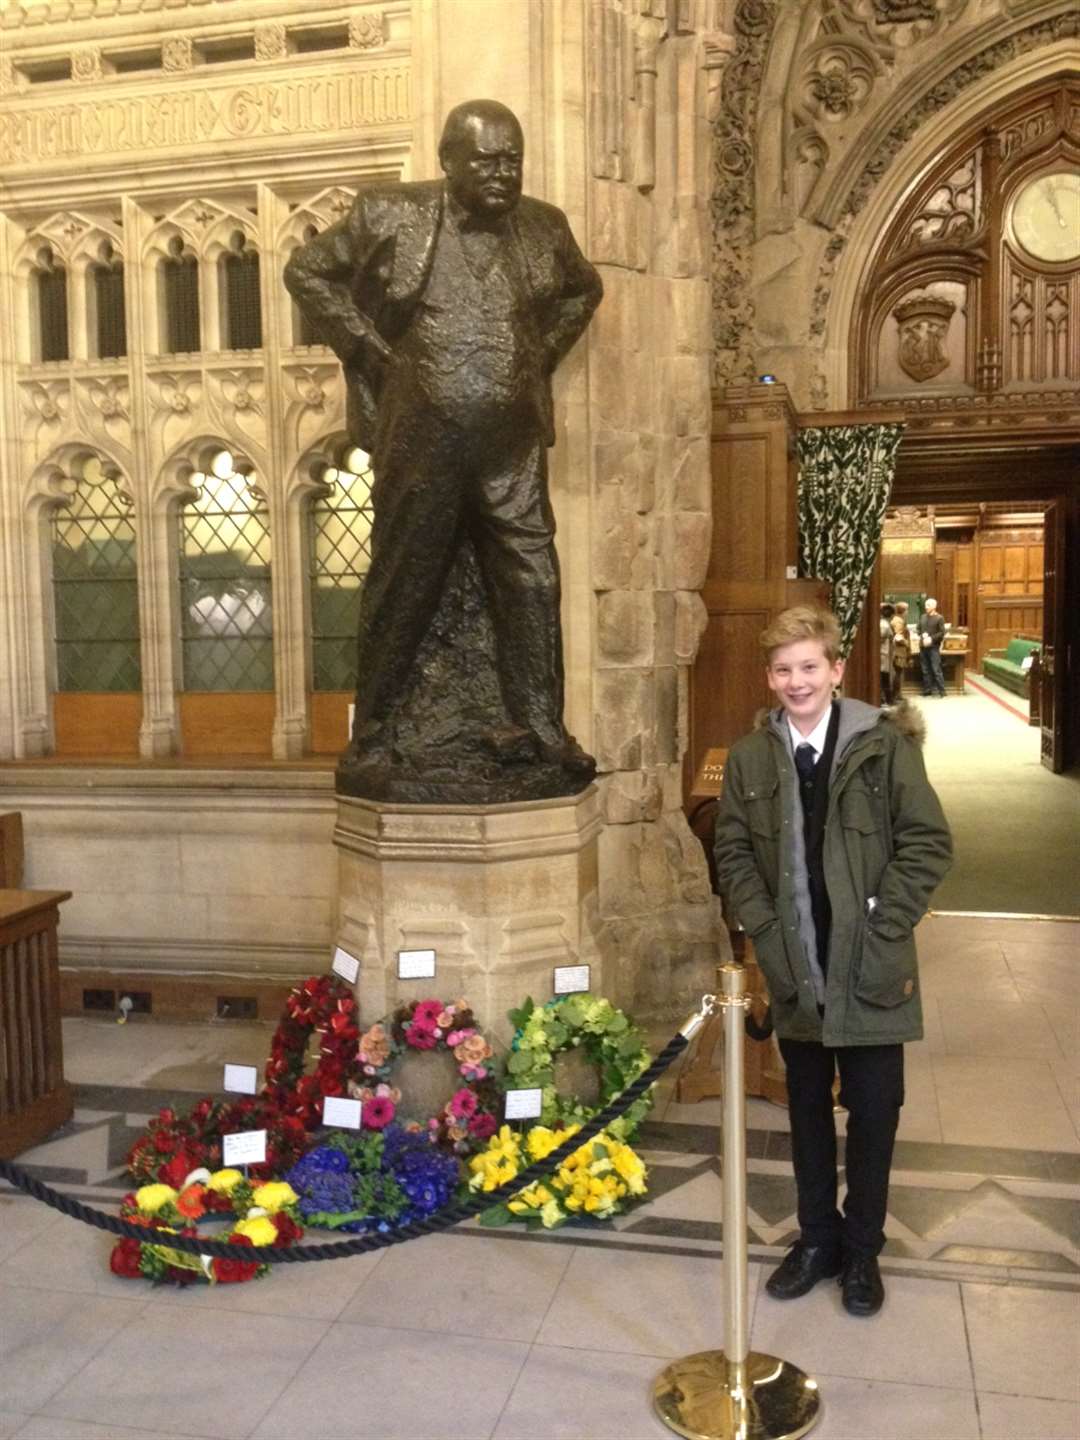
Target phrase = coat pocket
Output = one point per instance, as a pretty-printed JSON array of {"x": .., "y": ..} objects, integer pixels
[
  {"x": 887, "y": 971},
  {"x": 763, "y": 809},
  {"x": 772, "y": 957},
  {"x": 861, "y": 808}
]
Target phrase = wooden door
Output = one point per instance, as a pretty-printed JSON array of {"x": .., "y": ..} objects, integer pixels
[{"x": 1052, "y": 669}]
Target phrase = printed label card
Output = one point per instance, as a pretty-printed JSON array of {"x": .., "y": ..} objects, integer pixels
[
  {"x": 241, "y": 1079},
  {"x": 416, "y": 964},
  {"x": 339, "y": 1111},
  {"x": 571, "y": 979},
  {"x": 524, "y": 1104},
  {"x": 245, "y": 1147},
  {"x": 345, "y": 965}
]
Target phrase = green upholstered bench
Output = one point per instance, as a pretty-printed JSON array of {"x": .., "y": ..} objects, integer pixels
[{"x": 1007, "y": 666}]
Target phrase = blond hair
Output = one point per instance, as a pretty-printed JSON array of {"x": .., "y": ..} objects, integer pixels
[{"x": 803, "y": 622}]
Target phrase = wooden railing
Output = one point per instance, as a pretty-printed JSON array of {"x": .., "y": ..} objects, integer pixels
[{"x": 34, "y": 1097}]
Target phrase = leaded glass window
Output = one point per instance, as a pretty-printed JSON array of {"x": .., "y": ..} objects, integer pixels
[
  {"x": 110, "y": 322},
  {"x": 95, "y": 593},
  {"x": 340, "y": 551},
  {"x": 243, "y": 313},
  {"x": 180, "y": 279},
  {"x": 52, "y": 306},
  {"x": 225, "y": 594}
]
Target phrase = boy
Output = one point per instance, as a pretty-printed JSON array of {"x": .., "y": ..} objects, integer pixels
[{"x": 829, "y": 844}]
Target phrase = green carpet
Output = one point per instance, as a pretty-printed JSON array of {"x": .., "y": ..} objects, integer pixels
[{"x": 1016, "y": 827}]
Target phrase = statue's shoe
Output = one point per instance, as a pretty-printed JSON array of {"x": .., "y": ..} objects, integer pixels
[{"x": 569, "y": 754}]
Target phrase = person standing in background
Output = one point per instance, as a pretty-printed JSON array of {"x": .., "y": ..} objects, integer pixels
[
  {"x": 886, "y": 632},
  {"x": 931, "y": 634},
  {"x": 901, "y": 648}
]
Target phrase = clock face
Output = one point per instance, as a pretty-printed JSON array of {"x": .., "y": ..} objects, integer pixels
[{"x": 1046, "y": 216}]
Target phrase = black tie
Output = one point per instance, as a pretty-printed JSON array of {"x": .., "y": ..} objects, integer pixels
[{"x": 805, "y": 765}]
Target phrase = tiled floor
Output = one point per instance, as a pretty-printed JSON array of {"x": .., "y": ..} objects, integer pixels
[{"x": 517, "y": 1337}]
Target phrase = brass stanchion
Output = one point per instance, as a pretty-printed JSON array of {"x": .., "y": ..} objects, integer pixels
[{"x": 735, "y": 1393}]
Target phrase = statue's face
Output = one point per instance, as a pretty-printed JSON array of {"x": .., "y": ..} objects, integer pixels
[{"x": 484, "y": 167}]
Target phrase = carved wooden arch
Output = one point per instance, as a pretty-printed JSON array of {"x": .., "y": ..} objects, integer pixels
[{"x": 953, "y": 226}]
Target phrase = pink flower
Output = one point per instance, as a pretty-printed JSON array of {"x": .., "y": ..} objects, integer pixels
[
  {"x": 457, "y": 1036},
  {"x": 464, "y": 1104},
  {"x": 419, "y": 1038},
  {"x": 377, "y": 1113},
  {"x": 473, "y": 1072},
  {"x": 427, "y": 1013},
  {"x": 483, "y": 1126},
  {"x": 445, "y": 1019}
]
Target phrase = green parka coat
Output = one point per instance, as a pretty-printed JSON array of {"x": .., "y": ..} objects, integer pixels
[{"x": 886, "y": 848}]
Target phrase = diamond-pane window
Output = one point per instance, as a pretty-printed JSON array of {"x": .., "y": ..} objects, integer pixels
[
  {"x": 225, "y": 595},
  {"x": 95, "y": 592},
  {"x": 340, "y": 553}
]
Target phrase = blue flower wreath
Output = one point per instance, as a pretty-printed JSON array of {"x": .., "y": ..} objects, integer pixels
[{"x": 374, "y": 1180}]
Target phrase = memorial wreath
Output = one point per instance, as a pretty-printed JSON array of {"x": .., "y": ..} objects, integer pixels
[
  {"x": 607, "y": 1037},
  {"x": 265, "y": 1213},
  {"x": 322, "y": 1005},
  {"x": 469, "y": 1117},
  {"x": 600, "y": 1179}
]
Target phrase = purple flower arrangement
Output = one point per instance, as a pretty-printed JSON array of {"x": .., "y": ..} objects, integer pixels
[{"x": 373, "y": 1181}]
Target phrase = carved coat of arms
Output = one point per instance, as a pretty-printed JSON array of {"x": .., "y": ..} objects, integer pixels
[{"x": 923, "y": 322}]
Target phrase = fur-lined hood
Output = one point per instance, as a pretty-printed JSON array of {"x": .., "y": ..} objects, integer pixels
[{"x": 906, "y": 717}]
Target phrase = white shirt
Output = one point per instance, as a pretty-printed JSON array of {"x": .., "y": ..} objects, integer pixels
[{"x": 816, "y": 738}]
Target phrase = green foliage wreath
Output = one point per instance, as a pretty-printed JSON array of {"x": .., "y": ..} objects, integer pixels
[{"x": 608, "y": 1038}]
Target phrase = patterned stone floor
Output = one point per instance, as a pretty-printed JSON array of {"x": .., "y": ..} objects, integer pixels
[{"x": 512, "y": 1336}]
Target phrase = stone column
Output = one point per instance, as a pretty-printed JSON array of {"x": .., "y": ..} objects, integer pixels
[{"x": 501, "y": 893}]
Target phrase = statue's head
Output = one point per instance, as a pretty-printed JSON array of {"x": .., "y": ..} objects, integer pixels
[{"x": 481, "y": 154}]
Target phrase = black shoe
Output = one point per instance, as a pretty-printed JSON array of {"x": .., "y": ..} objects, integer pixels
[
  {"x": 801, "y": 1269},
  {"x": 860, "y": 1285}
]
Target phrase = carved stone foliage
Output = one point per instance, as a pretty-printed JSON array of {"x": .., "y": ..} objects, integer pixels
[
  {"x": 236, "y": 406},
  {"x": 270, "y": 41},
  {"x": 837, "y": 80},
  {"x": 367, "y": 31},
  {"x": 86, "y": 63},
  {"x": 314, "y": 406},
  {"x": 176, "y": 53},
  {"x": 103, "y": 404},
  {"x": 46, "y": 412},
  {"x": 733, "y": 191},
  {"x": 902, "y": 12},
  {"x": 923, "y": 328},
  {"x": 175, "y": 408}
]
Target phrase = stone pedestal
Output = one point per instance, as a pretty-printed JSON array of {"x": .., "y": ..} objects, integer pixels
[{"x": 501, "y": 893}]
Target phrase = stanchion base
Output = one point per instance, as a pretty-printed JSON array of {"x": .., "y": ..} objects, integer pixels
[{"x": 699, "y": 1396}]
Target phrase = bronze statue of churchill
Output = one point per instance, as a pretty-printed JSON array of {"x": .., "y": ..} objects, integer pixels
[{"x": 450, "y": 303}]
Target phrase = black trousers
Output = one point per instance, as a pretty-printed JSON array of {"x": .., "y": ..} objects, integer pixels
[{"x": 872, "y": 1091}]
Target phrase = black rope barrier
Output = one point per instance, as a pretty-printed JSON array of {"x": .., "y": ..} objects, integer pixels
[{"x": 444, "y": 1219}]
